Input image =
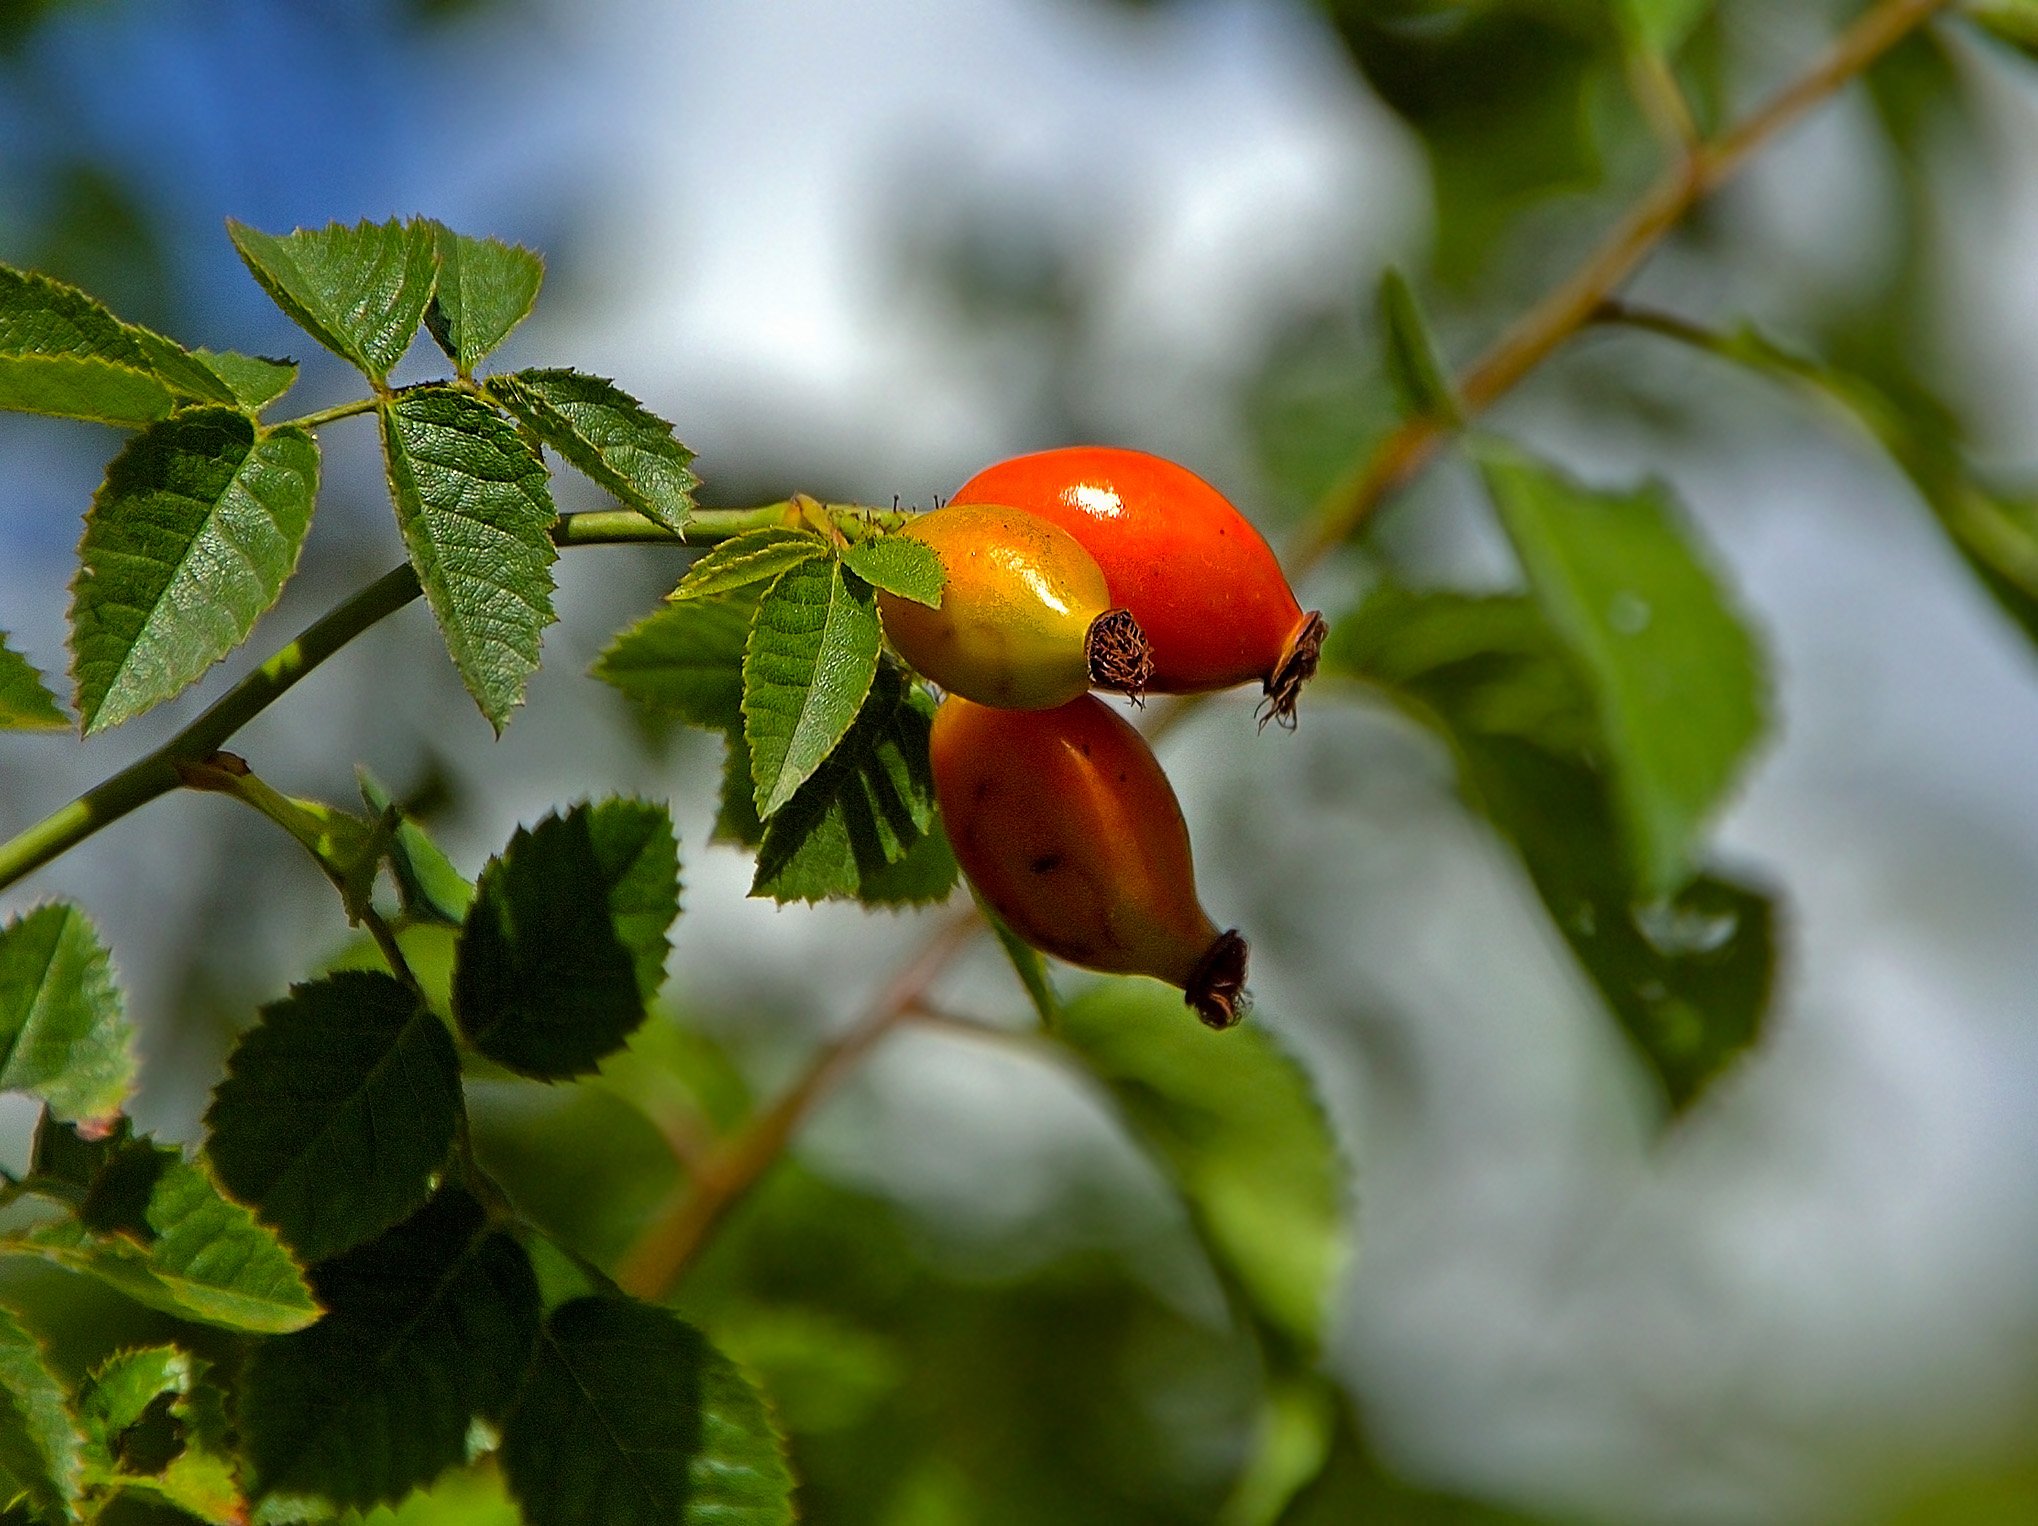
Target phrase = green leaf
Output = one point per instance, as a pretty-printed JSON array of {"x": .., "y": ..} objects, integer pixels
[
  {"x": 566, "y": 941},
  {"x": 2012, "y": 21},
  {"x": 187, "y": 376},
  {"x": 924, "y": 875},
  {"x": 851, "y": 830},
  {"x": 26, "y": 703},
  {"x": 756, "y": 556},
  {"x": 62, "y": 353},
  {"x": 189, "y": 541},
  {"x": 1419, "y": 378},
  {"x": 1676, "y": 678},
  {"x": 154, "y": 1227},
  {"x": 1993, "y": 528},
  {"x": 824, "y": 1371},
  {"x": 1028, "y": 965},
  {"x": 1354, "y": 1485},
  {"x": 899, "y": 565},
  {"x": 427, "y": 1329},
  {"x": 812, "y": 655},
  {"x": 476, "y": 515},
  {"x": 67, "y": 1040},
  {"x": 685, "y": 660},
  {"x": 1662, "y": 26},
  {"x": 485, "y": 289},
  {"x": 336, "y": 1111},
  {"x": 1687, "y": 977},
  {"x": 1234, "y": 1121},
  {"x": 41, "y": 1450},
  {"x": 253, "y": 381},
  {"x": 121, "y": 1390},
  {"x": 470, "y": 1497},
  {"x": 176, "y": 1452},
  {"x": 427, "y": 881},
  {"x": 736, "y": 823},
  {"x": 349, "y": 848},
  {"x": 607, "y": 434},
  {"x": 631, "y": 1418},
  {"x": 360, "y": 291}
]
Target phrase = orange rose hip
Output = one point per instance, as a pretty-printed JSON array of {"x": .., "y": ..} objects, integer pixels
[
  {"x": 1200, "y": 580},
  {"x": 1068, "y": 829},
  {"x": 1025, "y": 620}
]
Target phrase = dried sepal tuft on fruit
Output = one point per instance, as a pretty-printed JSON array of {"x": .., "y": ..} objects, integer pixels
[{"x": 1025, "y": 621}]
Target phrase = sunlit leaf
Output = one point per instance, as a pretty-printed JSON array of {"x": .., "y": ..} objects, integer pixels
[
  {"x": 566, "y": 940},
  {"x": 812, "y": 655},
  {"x": 66, "y": 1038},
  {"x": 360, "y": 291},
  {"x": 609, "y": 435},
  {"x": 631, "y": 1418},
  {"x": 427, "y": 1328},
  {"x": 476, "y": 515},
  {"x": 154, "y": 1227},
  {"x": 177, "y": 1451},
  {"x": 252, "y": 381},
  {"x": 1235, "y": 1123},
  {"x": 1675, "y": 677},
  {"x": 470, "y": 1497},
  {"x": 426, "y": 879},
  {"x": 40, "y": 1444},
  {"x": 336, "y": 1111},
  {"x": 484, "y": 290},
  {"x": 757, "y": 556},
  {"x": 899, "y": 565},
  {"x": 189, "y": 541}
]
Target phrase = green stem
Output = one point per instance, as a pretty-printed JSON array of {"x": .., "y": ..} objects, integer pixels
[
  {"x": 340, "y": 411},
  {"x": 156, "y": 773}
]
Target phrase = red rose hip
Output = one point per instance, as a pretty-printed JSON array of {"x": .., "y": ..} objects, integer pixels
[{"x": 1200, "y": 580}]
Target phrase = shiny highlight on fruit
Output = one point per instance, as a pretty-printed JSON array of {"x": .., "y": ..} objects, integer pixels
[
  {"x": 1026, "y": 620},
  {"x": 1202, "y": 582}
]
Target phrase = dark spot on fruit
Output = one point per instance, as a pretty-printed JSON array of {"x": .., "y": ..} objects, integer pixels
[{"x": 1046, "y": 863}]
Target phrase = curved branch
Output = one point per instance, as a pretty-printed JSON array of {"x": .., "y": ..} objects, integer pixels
[
  {"x": 664, "y": 1251},
  {"x": 1572, "y": 303}
]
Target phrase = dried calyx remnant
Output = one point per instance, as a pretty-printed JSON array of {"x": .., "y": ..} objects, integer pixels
[
  {"x": 1119, "y": 654},
  {"x": 1216, "y": 988},
  {"x": 1296, "y": 667}
]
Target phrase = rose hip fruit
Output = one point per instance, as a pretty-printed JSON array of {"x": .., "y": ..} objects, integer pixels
[
  {"x": 1064, "y": 822},
  {"x": 1026, "y": 620},
  {"x": 1026, "y": 616},
  {"x": 1202, "y": 582}
]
